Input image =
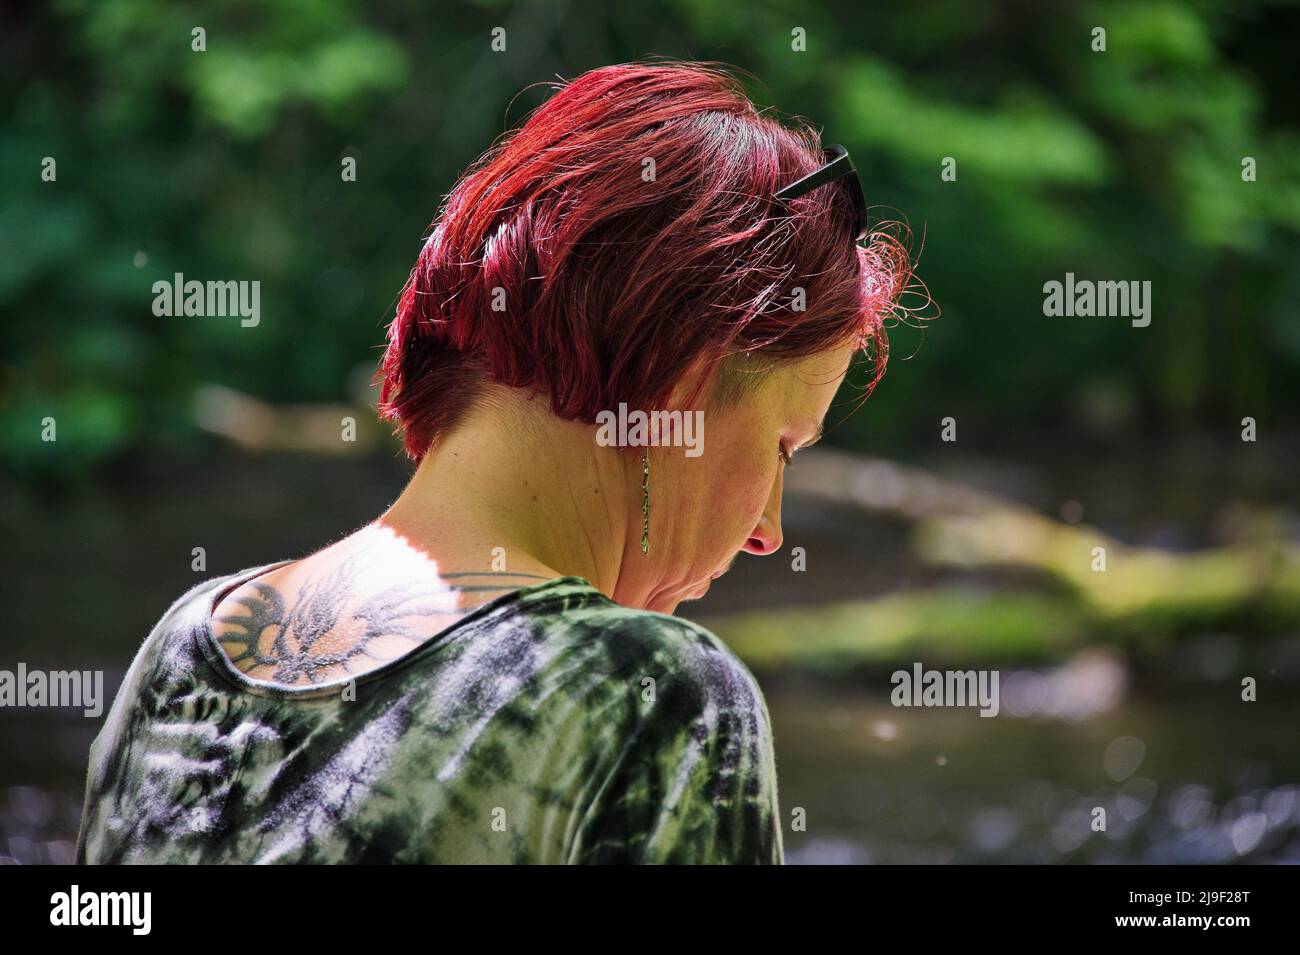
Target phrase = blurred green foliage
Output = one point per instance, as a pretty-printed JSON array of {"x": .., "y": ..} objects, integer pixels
[{"x": 1123, "y": 164}]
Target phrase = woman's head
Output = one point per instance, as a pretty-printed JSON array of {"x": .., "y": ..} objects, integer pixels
[
  {"x": 624, "y": 247},
  {"x": 624, "y": 234}
]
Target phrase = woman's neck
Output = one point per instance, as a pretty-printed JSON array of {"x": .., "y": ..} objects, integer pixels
[{"x": 515, "y": 489}]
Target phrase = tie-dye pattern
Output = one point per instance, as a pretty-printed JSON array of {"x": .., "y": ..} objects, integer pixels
[{"x": 548, "y": 726}]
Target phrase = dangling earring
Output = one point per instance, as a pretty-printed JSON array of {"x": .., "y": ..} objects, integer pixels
[{"x": 645, "y": 500}]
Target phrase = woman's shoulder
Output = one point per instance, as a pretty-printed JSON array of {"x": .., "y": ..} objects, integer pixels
[
  {"x": 658, "y": 647},
  {"x": 591, "y": 636},
  {"x": 197, "y": 600},
  {"x": 191, "y": 608}
]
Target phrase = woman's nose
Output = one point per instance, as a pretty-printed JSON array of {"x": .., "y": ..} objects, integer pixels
[{"x": 766, "y": 537}]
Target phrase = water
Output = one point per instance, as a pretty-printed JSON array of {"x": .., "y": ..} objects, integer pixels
[{"x": 1181, "y": 779}]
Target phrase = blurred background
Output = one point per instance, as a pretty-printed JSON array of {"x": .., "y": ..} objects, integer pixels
[{"x": 1120, "y": 689}]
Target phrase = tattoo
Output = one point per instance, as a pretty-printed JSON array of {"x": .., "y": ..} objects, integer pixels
[{"x": 272, "y": 639}]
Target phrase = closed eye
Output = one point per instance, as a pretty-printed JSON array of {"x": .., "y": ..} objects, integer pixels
[{"x": 787, "y": 455}]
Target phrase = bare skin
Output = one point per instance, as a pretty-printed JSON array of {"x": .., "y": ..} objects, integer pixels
[{"x": 514, "y": 497}]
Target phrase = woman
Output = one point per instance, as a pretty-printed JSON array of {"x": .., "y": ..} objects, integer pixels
[{"x": 490, "y": 671}]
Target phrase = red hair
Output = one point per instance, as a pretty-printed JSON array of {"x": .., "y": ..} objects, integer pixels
[{"x": 561, "y": 265}]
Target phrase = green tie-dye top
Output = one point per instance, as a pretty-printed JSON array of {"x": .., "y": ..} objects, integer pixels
[{"x": 550, "y": 725}]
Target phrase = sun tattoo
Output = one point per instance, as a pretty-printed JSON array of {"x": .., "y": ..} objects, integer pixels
[{"x": 327, "y": 632}]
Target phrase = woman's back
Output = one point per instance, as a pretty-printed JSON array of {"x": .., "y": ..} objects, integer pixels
[{"x": 548, "y": 725}]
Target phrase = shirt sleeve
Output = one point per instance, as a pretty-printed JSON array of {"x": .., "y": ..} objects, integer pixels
[{"x": 696, "y": 781}]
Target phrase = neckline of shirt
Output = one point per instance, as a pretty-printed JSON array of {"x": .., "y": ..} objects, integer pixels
[{"x": 217, "y": 659}]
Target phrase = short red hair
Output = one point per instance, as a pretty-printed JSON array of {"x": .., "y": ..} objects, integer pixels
[{"x": 558, "y": 265}]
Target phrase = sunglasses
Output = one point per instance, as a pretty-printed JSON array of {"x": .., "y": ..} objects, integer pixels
[{"x": 838, "y": 166}]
